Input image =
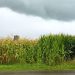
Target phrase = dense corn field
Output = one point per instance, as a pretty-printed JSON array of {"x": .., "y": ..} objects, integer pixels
[{"x": 48, "y": 49}]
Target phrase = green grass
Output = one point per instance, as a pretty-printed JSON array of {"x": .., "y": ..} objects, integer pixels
[
  {"x": 66, "y": 66},
  {"x": 23, "y": 67}
]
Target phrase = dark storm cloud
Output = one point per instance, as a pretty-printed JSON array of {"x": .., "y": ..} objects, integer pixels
[{"x": 49, "y": 9}]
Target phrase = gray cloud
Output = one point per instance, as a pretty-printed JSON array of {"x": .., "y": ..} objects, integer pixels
[{"x": 49, "y": 9}]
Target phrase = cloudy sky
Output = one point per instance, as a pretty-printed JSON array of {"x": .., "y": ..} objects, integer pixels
[{"x": 32, "y": 18}]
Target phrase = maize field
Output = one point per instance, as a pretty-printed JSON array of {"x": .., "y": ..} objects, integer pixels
[{"x": 48, "y": 49}]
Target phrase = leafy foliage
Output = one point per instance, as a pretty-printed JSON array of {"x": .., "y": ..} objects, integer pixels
[{"x": 48, "y": 49}]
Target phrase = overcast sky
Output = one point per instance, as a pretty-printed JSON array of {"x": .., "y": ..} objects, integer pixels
[{"x": 32, "y": 18}]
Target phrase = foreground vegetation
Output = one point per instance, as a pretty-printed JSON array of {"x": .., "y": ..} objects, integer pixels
[
  {"x": 66, "y": 66},
  {"x": 49, "y": 50}
]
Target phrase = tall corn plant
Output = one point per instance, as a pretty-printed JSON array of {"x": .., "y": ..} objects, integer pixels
[{"x": 50, "y": 49}]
